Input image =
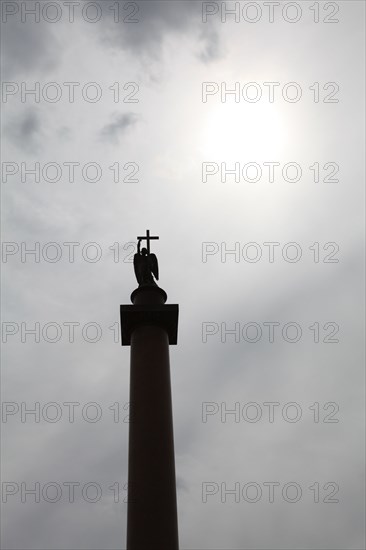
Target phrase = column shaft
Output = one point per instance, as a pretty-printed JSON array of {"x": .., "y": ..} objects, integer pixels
[{"x": 152, "y": 505}]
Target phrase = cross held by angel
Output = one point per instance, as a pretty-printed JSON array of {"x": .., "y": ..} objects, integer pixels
[{"x": 145, "y": 263}]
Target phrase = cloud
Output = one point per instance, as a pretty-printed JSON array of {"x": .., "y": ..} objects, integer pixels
[
  {"x": 116, "y": 129},
  {"x": 211, "y": 45},
  {"x": 156, "y": 22},
  {"x": 28, "y": 49},
  {"x": 25, "y": 131}
]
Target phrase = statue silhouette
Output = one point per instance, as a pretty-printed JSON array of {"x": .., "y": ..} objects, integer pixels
[{"x": 145, "y": 265}]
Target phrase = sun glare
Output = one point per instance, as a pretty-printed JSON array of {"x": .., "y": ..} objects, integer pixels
[{"x": 240, "y": 130}]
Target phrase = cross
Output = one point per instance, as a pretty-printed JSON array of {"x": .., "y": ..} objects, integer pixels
[{"x": 148, "y": 239}]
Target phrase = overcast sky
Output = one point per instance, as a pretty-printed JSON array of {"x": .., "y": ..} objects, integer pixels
[{"x": 220, "y": 133}]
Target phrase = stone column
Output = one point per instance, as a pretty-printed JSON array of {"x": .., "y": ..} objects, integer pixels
[{"x": 149, "y": 326}]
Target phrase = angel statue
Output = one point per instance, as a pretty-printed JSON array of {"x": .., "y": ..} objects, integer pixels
[{"x": 145, "y": 265}]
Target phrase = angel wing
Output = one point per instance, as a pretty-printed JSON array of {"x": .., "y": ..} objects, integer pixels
[{"x": 153, "y": 264}]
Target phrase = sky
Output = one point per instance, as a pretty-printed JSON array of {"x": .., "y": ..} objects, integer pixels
[{"x": 235, "y": 132}]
